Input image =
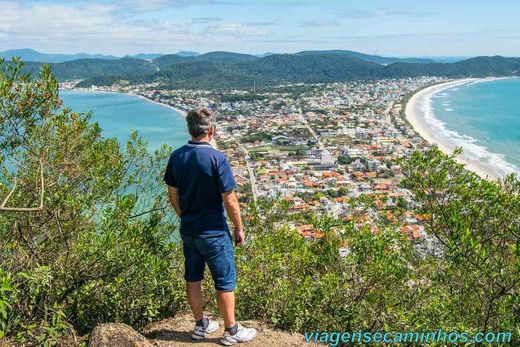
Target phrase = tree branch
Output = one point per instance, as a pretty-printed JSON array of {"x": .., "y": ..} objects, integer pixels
[
  {"x": 26, "y": 209},
  {"x": 146, "y": 212},
  {"x": 9, "y": 195}
]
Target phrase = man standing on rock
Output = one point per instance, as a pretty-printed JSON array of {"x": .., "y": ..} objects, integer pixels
[{"x": 200, "y": 186}]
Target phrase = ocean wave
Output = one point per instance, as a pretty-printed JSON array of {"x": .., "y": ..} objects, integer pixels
[
  {"x": 472, "y": 150},
  {"x": 469, "y": 138},
  {"x": 487, "y": 79}
]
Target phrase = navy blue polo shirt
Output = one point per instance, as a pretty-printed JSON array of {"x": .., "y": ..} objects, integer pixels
[{"x": 202, "y": 174}]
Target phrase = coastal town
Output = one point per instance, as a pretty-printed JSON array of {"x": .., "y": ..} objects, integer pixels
[{"x": 326, "y": 149}]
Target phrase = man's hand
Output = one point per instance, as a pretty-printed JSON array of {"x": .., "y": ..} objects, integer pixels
[
  {"x": 173, "y": 195},
  {"x": 233, "y": 211},
  {"x": 239, "y": 237}
]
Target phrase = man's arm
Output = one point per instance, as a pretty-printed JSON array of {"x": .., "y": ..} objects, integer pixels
[
  {"x": 233, "y": 211},
  {"x": 173, "y": 195}
]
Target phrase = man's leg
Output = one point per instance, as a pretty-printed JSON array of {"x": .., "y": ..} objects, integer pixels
[
  {"x": 194, "y": 291},
  {"x": 221, "y": 262},
  {"x": 194, "y": 265},
  {"x": 226, "y": 306}
]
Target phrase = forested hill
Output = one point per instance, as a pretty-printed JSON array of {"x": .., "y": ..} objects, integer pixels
[
  {"x": 368, "y": 57},
  {"x": 234, "y": 70}
]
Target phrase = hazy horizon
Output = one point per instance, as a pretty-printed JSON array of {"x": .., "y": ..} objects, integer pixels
[
  {"x": 258, "y": 54},
  {"x": 402, "y": 28}
]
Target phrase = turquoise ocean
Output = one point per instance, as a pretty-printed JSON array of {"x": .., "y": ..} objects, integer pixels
[
  {"x": 120, "y": 114},
  {"x": 482, "y": 117}
]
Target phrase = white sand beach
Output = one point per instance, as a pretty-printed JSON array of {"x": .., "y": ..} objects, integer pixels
[
  {"x": 420, "y": 116},
  {"x": 178, "y": 110}
]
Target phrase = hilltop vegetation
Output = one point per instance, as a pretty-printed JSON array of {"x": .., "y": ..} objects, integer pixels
[
  {"x": 221, "y": 70},
  {"x": 86, "y": 236},
  {"x": 74, "y": 248},
  {"x": 86, "y": 68},
  {"x": 289, "y": 68},
  {"x": 368, "y": 57}
]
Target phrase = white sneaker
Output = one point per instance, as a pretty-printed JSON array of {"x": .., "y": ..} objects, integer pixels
[
  {"x": 199, "y": 333},
  {"x": 243, "y": 335}
]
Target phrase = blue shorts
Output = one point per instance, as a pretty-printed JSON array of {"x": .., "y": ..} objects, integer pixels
[{"x": 217, "y": 252}]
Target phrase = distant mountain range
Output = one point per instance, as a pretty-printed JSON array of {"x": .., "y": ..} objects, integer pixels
[
  {"x": 143, "y": 56},
  {"x": 32, "y": 55},
  {"x": 28, "y": 54},
  {"x": 216, "y": 70},
  {"x": 187, "y": 54}
]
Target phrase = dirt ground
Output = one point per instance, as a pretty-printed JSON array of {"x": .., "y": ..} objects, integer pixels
[{"x": 177, "y": 332}]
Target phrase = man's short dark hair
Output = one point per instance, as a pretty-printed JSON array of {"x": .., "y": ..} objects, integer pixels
[{"x": 200, "y": 121}]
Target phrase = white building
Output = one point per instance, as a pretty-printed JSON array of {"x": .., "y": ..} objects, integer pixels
[
  {"x": 327, "y": 158},
  {"x": 374, "y": 165}
]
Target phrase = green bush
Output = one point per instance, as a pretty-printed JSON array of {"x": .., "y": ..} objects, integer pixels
[
  {"x": 84, "y": 237},
  {"x": 302, "y": 285},
  {"x": 475, "y": 284}
]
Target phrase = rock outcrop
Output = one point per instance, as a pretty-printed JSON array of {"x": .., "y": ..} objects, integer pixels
[{"x": 117, "y": 335}]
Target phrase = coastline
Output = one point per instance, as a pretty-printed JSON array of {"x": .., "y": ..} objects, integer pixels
[
  {"x": 423, "y": 121},
  {"x": 178, "y": 110}
]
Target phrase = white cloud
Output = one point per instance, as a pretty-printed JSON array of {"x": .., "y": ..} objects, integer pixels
[
  {"x": 235, "y": 29},
  {"x": 150, "y": 5},
  {"x": 97, "y": 27},
  {"x": 319, "y": 23},
  {"x": 262, "y": 24},
  {"x": 356, "y": 13},
  {"x": 204, "y": 20}
]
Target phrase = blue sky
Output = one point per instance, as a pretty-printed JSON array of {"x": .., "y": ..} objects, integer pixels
[{"x": 392, "y": 27}]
